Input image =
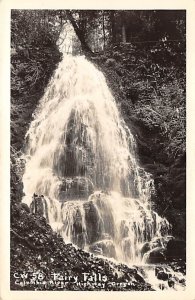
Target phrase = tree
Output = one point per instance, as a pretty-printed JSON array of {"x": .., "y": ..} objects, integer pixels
[
  {"x": 113, "y": 26},
  {"x": 79, "y": 32}
]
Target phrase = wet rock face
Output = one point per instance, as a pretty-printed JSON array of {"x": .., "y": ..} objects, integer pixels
[
  {"x": 38, "y": 206},
  {"x": 156, "y": 256},
  {"x": 173, "y": 250},
  {"x": 104, "y": 247},
  {"x": 76, "y": 157},
  {"x": 75, "y": 188},
  {"x": 145, "y": 248},
  {"x": 94, "y": 229},
  {"x": 92, "y": 222},
  {"x": 78, "y": 238},
  {"x": 127, "y": 247},
  {"x": 98, "y": 227}
]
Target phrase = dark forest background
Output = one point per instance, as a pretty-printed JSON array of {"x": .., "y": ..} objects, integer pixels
[{"x": 142, "y": 53}]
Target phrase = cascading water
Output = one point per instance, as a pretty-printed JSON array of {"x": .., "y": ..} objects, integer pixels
[{"x": 82, "y": 158}]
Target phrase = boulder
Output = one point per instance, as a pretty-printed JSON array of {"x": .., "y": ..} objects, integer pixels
[
  {"x": 25, "y": 207},
  {"x": 156, "y": 255},
  {"x": 158, "y": 269},
  {"x": 171, "y": 282},
  {"x": 139, "y": 278},
  {"x": 162, "y": 286},
  {"x": 162, "y": 275}
]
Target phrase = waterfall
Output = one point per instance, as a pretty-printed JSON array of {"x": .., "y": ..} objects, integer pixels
[{"x": 81, "y": 157}]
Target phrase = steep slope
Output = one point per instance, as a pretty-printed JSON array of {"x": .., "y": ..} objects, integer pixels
[{"x": 37, "y": 253}]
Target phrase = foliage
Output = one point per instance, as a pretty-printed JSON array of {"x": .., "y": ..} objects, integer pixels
[
  {"x": 35, "y": 27},
  {"x": 32, "y": 31},
  {"x": 153, "y": 82},
  {"x": 34, "y": 56},
  {"x": 103, "y": 28},
  {"x": 17, "y": 167},
  {"x": 142, "y": 54},
  {"x": 148, "y": 83}
]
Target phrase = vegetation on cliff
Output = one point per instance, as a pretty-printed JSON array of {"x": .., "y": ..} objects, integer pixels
[
  {"x": 149, "y": 85},
  {"x": 34, "y": 57}
]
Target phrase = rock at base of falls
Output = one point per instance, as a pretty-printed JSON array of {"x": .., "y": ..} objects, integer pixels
[
  {"x": 162, "y": 274},
  {"x": 105, "y": 247},
  {"x": 145, "y": 248},
  {"x": 171, "y": 283},
  {"x": 25, "y": 207},
  {"x": 156, "y": 255},
  {"x": 39, "y": 206},
  {"x": 171, "y": 274},
  {"x": 99, "y": 220},
  {"x": 92, "y": 228},
  {"x": 151, "y": 248},
  {"x": 78, "y": 187},
  {"x": 172, "y": 249},
  {"x": 35, "y": 247},
  {"x": 93, "y": 224}
]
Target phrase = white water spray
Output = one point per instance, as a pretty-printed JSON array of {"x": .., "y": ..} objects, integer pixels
[{"x": 82, "y": 158}]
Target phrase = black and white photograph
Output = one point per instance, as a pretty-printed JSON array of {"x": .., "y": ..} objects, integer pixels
[{"x": 98, "y": 150}]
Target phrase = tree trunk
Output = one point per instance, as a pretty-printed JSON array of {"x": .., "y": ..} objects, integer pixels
[
  {"x": 103, "y": 27},
  {"x": 123, "y": 34},
  {"x": 113, "y": 26},
  {"x": 79, "y": 34}
]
